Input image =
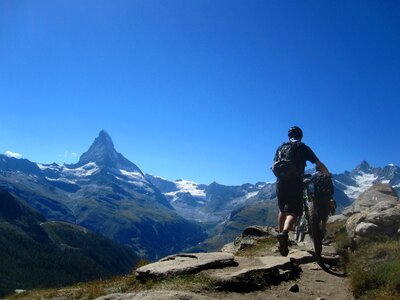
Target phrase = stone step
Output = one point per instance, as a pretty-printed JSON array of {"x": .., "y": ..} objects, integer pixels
[{"x": 189, "y": 263}]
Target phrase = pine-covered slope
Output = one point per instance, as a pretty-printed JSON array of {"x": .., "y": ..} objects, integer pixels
[{"x": 37, "y": 253}]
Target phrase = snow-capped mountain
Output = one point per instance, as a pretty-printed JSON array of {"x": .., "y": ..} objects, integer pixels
[
  {"x": 103, "y": 153},
  {"x": 354, "y": 183},
  {"x": 205, "y": 203},
  {"x": 212, "y": 201},
  {"x": 105, "y": 193},
  {"x": 187, "y": 197}
]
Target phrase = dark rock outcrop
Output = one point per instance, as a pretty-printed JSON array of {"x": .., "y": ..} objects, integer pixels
[{"x": 250, "y": 236}]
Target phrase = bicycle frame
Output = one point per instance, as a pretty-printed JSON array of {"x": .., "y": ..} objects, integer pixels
[{"x": 302, "y": 226}]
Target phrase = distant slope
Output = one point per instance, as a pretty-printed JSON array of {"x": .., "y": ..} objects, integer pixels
[{"x": 36, "y": 253}]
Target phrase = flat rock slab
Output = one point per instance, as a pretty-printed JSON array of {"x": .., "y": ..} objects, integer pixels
[
  {"x": 251, "y": 269},
  {"x": 189, "y": 263},
  {"x": 155, "y": 295}
]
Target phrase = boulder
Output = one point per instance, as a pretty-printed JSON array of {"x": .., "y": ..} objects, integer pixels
[
  {"x": 257, "y": 230},
  {"x": 337, "y": 218},
  {"x": 376, "y": 211},
  {"x": 388, "y": 219},
  {"x": 376, "y": 194},
  {"x": 366, "y": 229},
  {"x": 185, "y": 264},
  {"x": 352, "y": 223}
]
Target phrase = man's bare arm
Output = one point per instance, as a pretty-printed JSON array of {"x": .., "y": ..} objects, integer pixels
[{"x": 323, "y": 168}]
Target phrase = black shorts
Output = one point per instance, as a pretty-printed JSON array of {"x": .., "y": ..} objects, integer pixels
[{"x": 290, "y": 196}]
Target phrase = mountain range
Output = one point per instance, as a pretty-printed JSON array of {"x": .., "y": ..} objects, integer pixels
[
  {"x": 106, "y": 193},
  {"x": 110, "y": 195},
  {"x": 226, "y": 210}
]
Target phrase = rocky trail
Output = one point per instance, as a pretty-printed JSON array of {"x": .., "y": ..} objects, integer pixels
[{"x": 248, "y": 268}]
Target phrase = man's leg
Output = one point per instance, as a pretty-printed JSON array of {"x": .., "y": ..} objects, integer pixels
[
  {"x": 281, "y": 221},
  {"x": 289, "y": 222},
  {"x": 285, "y": 223}
]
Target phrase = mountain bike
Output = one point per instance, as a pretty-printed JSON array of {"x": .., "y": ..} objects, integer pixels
[{"x": 310, "y": 220}]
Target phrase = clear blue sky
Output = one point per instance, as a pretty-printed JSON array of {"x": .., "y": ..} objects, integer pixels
[{"x": 201, "y": 90}]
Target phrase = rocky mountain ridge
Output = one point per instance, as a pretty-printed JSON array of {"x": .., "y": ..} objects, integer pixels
[
  {"x": 361, "y": 178},
  {"x": 105, "y": 193},
  {"x": 348, "y": 186}
]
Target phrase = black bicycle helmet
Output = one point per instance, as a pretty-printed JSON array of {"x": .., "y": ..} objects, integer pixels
[{"x": 295, "y": 132}]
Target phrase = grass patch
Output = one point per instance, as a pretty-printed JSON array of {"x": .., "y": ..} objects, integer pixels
[
  {"x": 374, "y": 269},
  {"x": 193, "y": 283},
  {"x": 372, "y": 265},
  {"x": 120, "y": 284},
  {"x": 86, "y": 291},
  {"x": 337, "y": 232}
]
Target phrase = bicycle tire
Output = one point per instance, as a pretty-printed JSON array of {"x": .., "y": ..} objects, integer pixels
[
  {"x": 316, "y": 234},
  {"x": 302, "y": 234},
  {"x": 297, "y": 232},
  {"x": 300, "y": 231}
]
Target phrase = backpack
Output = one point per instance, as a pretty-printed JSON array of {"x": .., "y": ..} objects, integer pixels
[
  {"x": 323, "y": 186},
  {"x": 284, "y": 166}
]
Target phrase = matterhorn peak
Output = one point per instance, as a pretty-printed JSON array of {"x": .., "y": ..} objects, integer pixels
[
  {"x": 103, "y": 153},
  {"x": 105, "y": 138}
]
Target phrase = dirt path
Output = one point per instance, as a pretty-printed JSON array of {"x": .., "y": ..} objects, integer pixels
[{"x": 313, "y": 282}]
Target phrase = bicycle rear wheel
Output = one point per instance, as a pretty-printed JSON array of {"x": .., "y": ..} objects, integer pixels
[
  {"x": 316, "y": 233},
  {"x": 300, "y": 230}
]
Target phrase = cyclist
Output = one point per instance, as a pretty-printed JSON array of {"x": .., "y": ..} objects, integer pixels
[{"x": 289, "y": 185}]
